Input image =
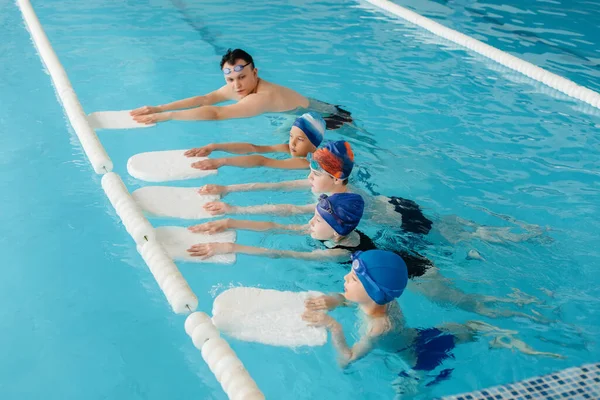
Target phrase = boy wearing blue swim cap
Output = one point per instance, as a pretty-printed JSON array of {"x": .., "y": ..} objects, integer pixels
[
  {"x": 376, "y": 280},
  {"x": 305, "y": 136}
]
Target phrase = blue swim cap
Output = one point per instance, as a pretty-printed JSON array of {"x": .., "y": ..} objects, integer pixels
[
  {"x": 342, "y": 211},
  {"x": 313, "y": 126},
  {"x": 383, "y": 274}
]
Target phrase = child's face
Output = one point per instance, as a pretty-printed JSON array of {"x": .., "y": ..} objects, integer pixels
[
  {"x": 354, "y": 289},
  {"x": 321, "y": 182},
  {"x": 320, "y": 229},
  {"x": 299, "y": 144}
]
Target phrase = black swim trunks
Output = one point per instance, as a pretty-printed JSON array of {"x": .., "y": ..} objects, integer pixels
[
  {"x": 338, "y": 118},
  {"x": 413, "y": 219}
]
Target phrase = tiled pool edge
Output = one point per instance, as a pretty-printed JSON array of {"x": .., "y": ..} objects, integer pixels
[{"x": 572, "y": 383}]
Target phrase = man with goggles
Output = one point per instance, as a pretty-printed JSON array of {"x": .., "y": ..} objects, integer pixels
[{"x": 252, "y": 94}]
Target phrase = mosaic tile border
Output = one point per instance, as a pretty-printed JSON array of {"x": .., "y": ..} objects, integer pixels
[{"x": 572, "y": 383}]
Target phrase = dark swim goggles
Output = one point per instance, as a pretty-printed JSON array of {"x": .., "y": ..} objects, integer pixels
[
  {"x": 379, "y": 294},
  {"x": 237, "y": 68},
  {"x": 325, "y": 205}
]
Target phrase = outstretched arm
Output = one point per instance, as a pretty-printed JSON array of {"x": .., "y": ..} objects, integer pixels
[
  {"x": 259, "y": 226},
  {"x": 251, "y": 162},
  {"x": 214, "y": 97},
  {"x": 249, "y": 187},
  {"x": 218, "y": 208},
  {"x": 249, "y": 106},
  {"x": 206, "y": 250},
  {"x": 237, "y": 148}
]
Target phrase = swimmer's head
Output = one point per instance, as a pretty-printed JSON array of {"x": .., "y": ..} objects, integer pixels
[
  {"x": 336, "y": 216},
  {"x": 306, "y": 134},
  {"x": 377, "y": 275},
  {"x": 330, "y": 167},
  {"x": 240, "y": 72}
]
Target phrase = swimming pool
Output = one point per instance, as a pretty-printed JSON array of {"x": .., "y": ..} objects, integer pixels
[{"x": 437, "y": 125}]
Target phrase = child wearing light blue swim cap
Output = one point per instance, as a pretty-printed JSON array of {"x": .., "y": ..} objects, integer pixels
[
  {"x": 376, "y": 280},
  {"x": 306, "y": 135}
]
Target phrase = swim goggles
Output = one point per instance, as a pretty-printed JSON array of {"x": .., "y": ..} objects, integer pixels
[
  {"x": 380, "y": 294},
  {"x": 315, "y": 166},
  {"x": 237, "y": 68},
  {"x": 325, "y": 205}
]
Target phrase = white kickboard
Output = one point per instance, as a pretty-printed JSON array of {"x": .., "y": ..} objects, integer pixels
[
  {"x": 165, "y": 166},
  {"x": 114, "y": 120},
  {"x": 176, "y": 240},
  {"x": 266, "y": 316},
  {"x": 173, "y": 202}
]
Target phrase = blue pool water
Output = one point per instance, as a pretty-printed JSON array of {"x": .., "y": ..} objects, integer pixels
[{"x": 83, "y": 318}]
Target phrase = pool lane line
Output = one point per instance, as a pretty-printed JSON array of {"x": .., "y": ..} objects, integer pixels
[
  {"x": 221, "y": 359},
  {"x": 528, "y": 69},
  {"x": 92, "y": 147}
]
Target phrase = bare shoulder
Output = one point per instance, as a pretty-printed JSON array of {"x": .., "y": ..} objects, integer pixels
[
  {"x": 379, "y": 326},
  {"x": 283, "y": 98}
]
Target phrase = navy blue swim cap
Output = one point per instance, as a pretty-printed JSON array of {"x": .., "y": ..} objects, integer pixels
[{"x": 342, "y": 211}]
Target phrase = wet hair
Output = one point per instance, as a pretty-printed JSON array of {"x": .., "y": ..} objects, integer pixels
[
  {"x": 338, "y": 119},
  {"x": 238, "y": 54}
]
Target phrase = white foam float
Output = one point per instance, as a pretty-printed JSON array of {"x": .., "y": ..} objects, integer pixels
[
  {"x": 173, "y": 202},
  {"x": 176, "y": 240},
  {"x": 266, "y": 316},
  {"x": 165, "y": 166},
  {"x": 114, "y": 120}
]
